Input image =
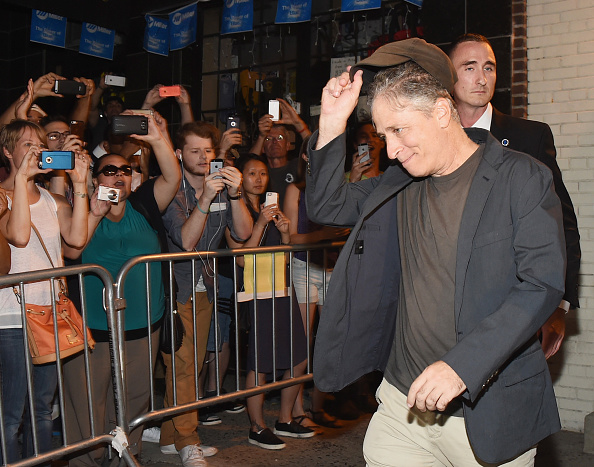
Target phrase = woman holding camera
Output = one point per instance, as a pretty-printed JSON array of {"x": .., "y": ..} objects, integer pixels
[
  {"x": 122, "y": 225},
  {"x": 21, "y": 144}
]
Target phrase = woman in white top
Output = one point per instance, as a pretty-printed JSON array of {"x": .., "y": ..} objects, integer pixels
[{"x": 21, "y": 143}]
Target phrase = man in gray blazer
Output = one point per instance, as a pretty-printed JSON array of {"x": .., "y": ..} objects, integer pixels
[
  {"x": 455, "y": 260},
  {"x": 476, "y": 66}
]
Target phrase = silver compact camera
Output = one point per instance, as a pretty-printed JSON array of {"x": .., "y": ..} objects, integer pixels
[{"x": 107, "y": 193}]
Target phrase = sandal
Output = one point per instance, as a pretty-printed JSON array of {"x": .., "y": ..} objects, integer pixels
[
  {"x": 309, "y": 423},
  {"x": 323, "y": 419}
]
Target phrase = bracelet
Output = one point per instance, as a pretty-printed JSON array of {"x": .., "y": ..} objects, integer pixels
[
  {"x": 302, "y": 131},
  {"x": 235, "y": 198},
  {"x": 200, "y": 209},
  {"x": 80, "y": 195}
]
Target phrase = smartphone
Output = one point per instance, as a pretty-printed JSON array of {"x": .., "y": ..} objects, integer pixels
[
  {"x": 274, "y": 110},
  {"x": 233, "y": 122},
  {"x": 70, "y": 87},
  {"x": 216, "y": 165},
  {"x": 144, "y": 111},
  {"x": 271, "y": 198},
  {"x": 77, "y": 128},
  {"x": 129, "y": 124},
  {"x": 114, "y": 80},
  {"x": 57, "y": 160},
  {"x": 363, "y": 148},
  {"x": 169, "y": 91}
]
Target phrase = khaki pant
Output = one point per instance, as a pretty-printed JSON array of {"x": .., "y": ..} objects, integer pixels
[
  {"x": 182, "y": 429},
  {"x": 399, "y": 436},
  {"x": 78, "y": 425}
]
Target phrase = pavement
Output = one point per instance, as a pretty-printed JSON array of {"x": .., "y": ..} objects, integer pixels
[{"x": 335, "y": 447}]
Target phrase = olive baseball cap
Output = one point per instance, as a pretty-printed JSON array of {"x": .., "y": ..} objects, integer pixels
[{"x": 428, "y": 56}]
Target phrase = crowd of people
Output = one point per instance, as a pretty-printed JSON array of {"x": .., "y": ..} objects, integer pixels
[{"x": 423, "y": 232}]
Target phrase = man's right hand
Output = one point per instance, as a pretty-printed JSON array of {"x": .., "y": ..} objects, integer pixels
[{"x": 339, "y": 99}]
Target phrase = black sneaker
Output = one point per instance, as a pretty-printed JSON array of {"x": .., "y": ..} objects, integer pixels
[
  {"x": 208, "y": 419},
  {"x": 293, "y": 430},
  {"x": 265, "y": 439}
]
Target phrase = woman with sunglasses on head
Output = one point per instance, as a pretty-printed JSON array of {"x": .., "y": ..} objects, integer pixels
[
  {"x": 21, "y": 143},
  {"x": 125, "y": 227}
]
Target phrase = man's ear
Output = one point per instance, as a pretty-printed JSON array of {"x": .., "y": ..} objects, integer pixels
[
  {"x": 178, "y": 154},
  {"x": 443, "y": 112}
]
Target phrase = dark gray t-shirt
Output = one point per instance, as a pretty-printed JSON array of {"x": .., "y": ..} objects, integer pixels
[{"x": 429, "y": 215}]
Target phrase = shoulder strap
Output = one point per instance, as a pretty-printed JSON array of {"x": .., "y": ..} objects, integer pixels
[{"x": 42, "y": 244}]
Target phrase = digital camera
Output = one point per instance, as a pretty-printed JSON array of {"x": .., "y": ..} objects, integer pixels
[
  {"x": 129, "y": 125},
  {"x": 108, "y": 193}
]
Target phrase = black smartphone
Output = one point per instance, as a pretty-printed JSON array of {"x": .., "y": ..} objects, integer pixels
[
  {"x": 57, "y": 160},
  {"x": 69, "y": 87},
  {"x": 129, "y": 125},
  {"x": 233, "y": 122}
]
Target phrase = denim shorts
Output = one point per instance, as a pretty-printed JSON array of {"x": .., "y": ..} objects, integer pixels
[{"x": 316, "y": 281}]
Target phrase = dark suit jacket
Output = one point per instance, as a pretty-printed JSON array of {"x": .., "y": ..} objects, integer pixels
[
  {"x": 536, "y": 139},
  {"x": 510, "y": 267}
]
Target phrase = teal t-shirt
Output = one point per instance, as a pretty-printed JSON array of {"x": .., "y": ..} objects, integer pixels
[{"x": 112, "y": 244}]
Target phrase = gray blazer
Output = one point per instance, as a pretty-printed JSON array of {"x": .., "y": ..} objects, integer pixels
[{"x": 509, "y": 279}]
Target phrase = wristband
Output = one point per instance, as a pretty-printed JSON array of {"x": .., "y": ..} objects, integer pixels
[
  {"x": 80, "y": 195},
  {"x": 234, "y": 198},
  {"x": 302, "y": 131},
  {"x": 200, "y": 209}
]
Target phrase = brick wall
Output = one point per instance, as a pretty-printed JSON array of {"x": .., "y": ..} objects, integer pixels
[{"x": 561, "y": 92}]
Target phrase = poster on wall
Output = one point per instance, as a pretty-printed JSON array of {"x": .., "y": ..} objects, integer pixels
[
  {"x": 182, "y": 26},
  {"x": 293, "y": 11},
  {"x": 97, "y": 41},
  {"x": 238, "y": 16},
  {"x": 357, "y": 5},
  {"x": 418, "y": 3},
  {"x": 156, "y": 35},
  {"x": 47, "y": 28}
]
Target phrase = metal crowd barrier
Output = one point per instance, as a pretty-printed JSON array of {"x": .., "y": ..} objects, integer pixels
[
  {"x": 115, "y": 305},
  {"x": 96, "y": 439}
]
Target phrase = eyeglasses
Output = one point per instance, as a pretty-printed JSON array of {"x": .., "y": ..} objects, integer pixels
[
  {"x": 56, "y": 135},
  {"x": 277, "y": 138},
  {"x": 110, "y": 170}
]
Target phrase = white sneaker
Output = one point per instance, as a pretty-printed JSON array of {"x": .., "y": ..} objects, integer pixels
[
  {"x": 192, "y": 456},
  {"x": 152, "y": 434},
  {"x": 207, "y": 451}
]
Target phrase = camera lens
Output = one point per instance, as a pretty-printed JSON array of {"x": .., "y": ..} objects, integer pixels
[
  {"x": 48, "y": 160},
  {"x": 112, "y": 195}
]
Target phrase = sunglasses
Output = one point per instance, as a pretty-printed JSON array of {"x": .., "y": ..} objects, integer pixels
[{"x": 110, "y": 170}]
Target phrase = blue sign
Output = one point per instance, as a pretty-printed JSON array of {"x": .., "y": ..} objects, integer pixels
[
  {"x": 48, "y": 29},
  {"x": 182, "y": 27},
  {"x": 418, "y": 3},
  {"x": 96, "y": 41},
  {"x": 293, "y": 11},
  {"x": 356, "y": 5},
  {"x": 156, "y": 35},
  {"x": 238, "y": 16}
]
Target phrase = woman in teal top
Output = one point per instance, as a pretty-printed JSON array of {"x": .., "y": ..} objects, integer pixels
[{"x": 117, "y": 232}]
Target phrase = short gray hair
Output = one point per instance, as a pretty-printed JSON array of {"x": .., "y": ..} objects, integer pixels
[{"x": 409, "y": 84}]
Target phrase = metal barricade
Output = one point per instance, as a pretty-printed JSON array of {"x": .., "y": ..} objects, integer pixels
[
  {"x": 155, "y": 413},
  {"x": 116, "y": 436}
]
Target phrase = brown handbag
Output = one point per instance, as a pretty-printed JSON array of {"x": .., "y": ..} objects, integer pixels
[{"x": 40, "y": 325}]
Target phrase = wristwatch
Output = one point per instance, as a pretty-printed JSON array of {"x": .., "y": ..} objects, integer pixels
[{"x": 234, "y": 198}]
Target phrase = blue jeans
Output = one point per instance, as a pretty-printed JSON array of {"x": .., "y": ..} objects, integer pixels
[{"x": 14, "y": 396}]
